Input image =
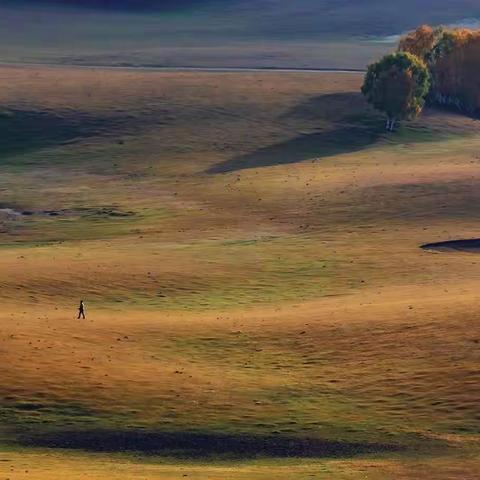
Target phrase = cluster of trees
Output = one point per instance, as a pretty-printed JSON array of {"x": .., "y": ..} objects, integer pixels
[{"x": 437, "y": 65}]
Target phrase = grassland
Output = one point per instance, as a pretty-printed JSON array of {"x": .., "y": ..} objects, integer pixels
[
  {"x": 210, "y": 33},
  {"x": 258, "y": 304}
]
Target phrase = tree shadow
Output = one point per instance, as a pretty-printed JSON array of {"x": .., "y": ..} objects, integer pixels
[
  {"x": 200, "y": 445},
  {"x": 25, "y": 131},
  {"x": 333, "y": 107},
  {"x": 470, "y": 245},
  {"x": 348, "y": 125}
]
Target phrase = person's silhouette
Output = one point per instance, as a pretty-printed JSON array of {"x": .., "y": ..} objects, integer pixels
[{"x": 81, "y": 310}]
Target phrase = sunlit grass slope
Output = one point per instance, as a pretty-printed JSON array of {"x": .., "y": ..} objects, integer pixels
[{"x": 248, "y": 249}]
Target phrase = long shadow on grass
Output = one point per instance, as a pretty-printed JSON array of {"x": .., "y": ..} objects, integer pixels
[
  {"x": 200, "y": 445},
  {"x": 24, "y": 131},
  {"x": 350, "y": 126},
  {"x": 470, "y": 245}
]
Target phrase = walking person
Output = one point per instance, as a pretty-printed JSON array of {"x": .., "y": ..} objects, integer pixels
[{"x": 81, "y": 310}]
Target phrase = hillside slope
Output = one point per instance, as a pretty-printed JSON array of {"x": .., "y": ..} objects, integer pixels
[
  {"x": 258, "y": 305},
  {"x": 258, "y": 33}
]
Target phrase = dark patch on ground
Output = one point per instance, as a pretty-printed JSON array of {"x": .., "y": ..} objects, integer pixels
[
  {"x": 332, "y": 107},
  {"x": 14, "y": 212},
  {"x": 8, "y": 213},
  {"x": 87, "y": 212},
  {"x": 471, "y": 246},
  {"x": 352, "y": 126},
  {"x": 303, "y": 147},
  {"x": 25, "y": 131},
  {"x": 200, "y": 445},
  {"x": 346, "y": 124}
]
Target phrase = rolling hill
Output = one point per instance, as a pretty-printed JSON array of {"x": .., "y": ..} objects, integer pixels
[
  {"x": 258, "y": 304},
  {"x": 275, "y": 286}
]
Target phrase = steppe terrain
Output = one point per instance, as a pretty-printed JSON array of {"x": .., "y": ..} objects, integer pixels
[{"x": 259, "y": 306}]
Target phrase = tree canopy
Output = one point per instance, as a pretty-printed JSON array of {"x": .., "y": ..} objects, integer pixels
[
  {"x": 397, "y": 85},
  {"x": 453, "y": 58},
  {"x": 420, "y": 42}
]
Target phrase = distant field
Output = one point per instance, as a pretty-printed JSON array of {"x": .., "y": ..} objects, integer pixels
[
  {"x": 248, "y": 246},
  {"x": 237, "y": 33}
]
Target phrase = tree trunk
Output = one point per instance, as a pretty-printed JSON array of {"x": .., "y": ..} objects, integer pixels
[{"x": 391, "y": 124}]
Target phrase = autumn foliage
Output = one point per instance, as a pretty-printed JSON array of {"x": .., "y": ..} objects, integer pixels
[
  {"x": 453, "y": 58},
  {"x": 420, "y": 42}
]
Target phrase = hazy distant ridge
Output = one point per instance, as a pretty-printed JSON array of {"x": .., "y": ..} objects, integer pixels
[{"x": 133, "y": 5}]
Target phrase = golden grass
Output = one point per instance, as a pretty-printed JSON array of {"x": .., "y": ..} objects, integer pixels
[
  {"x": 288, "y": 300},
  {"x": 43, "y": 466}
]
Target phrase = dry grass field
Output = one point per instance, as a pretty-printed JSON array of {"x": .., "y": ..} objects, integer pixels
[{"x": 258, "y": 304}]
